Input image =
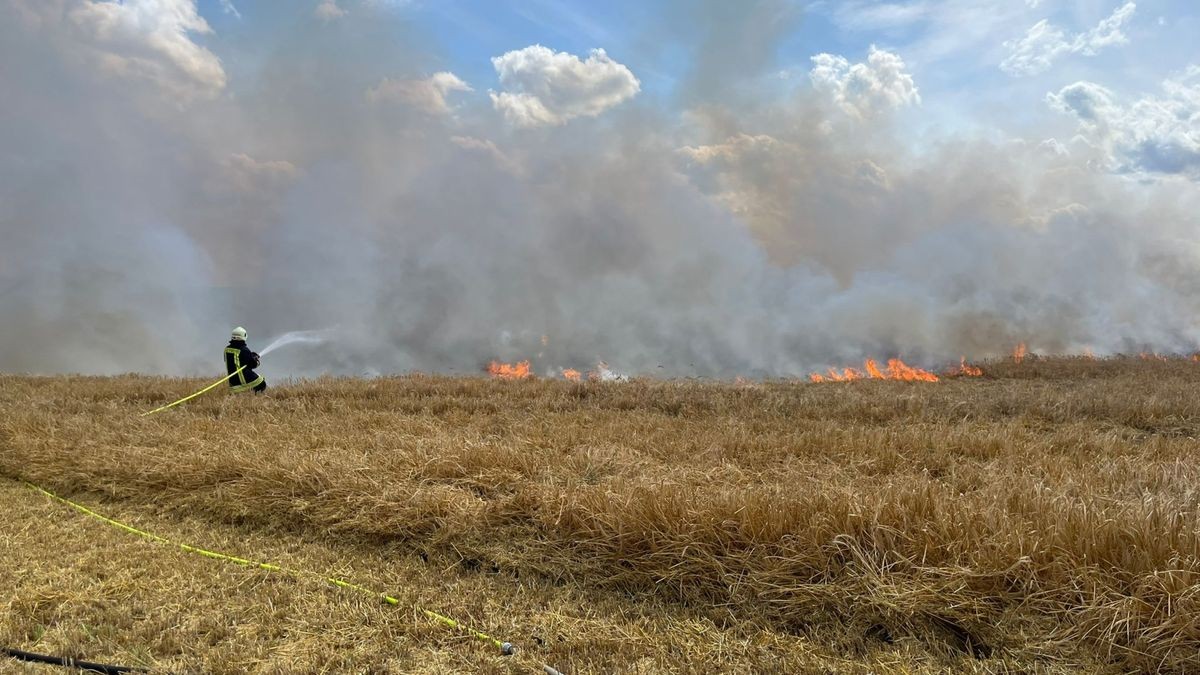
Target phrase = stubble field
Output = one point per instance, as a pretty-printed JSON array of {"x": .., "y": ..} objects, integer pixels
[{"x": 1042, "y": 518}]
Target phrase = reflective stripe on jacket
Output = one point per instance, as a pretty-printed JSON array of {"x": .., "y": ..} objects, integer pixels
[{"x": 237, "y": 354}]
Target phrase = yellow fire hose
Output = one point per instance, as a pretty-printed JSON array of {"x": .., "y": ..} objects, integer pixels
[
  {"x": 506, "y": 648},
  {"x": 188, "y": 398}
]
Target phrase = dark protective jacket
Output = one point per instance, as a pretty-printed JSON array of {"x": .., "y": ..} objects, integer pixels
[{"x": 237, "y": 354}]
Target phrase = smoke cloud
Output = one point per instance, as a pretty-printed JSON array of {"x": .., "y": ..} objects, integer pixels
[{"x": 153, "y": 196}]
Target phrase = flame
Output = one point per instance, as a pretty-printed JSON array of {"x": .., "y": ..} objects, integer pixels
[
  {"x": 572, "y": 374},
  {"x": 896, "y": 370},
  {"x": 1089, "y": 354},
  {"x": 963, "y": 370},
  {"x": 846, "y": 375},
  {"x": 873, "y": 369},
  {"x": 506, "y": 371},
  {"x": 1147, "y": 356},
  {"x": 1196, "y": 358},
  {"x": 1019, "y": 353}
]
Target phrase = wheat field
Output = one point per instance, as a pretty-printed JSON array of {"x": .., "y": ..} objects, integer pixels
[{"x": 1044, "y": 517}]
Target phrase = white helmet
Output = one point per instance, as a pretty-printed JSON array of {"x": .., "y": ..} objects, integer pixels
[{"x": 239, "y": 333}]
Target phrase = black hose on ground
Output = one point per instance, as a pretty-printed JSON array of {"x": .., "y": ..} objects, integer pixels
[{"x": 68, "y": 662}]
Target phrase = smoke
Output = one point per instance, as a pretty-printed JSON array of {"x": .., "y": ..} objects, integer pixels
[
  {"x": 727, "y": 44},
  {"x": 142, "y": 219}
]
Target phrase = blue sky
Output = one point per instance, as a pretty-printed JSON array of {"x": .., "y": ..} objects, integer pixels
[{"x": 953, "y": 48}]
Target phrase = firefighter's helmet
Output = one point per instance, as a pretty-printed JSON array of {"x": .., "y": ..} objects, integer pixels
[{"x": 239, "y": 333}]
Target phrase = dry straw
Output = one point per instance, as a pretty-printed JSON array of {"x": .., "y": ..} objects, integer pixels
[
  {"x": 1042, "y": 516},
  {"x": 505, "y": 648}
]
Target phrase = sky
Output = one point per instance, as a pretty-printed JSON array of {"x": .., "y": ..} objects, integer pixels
[
  {"x": 965, "y": 54},
  {"x": 682, "y": 188}
]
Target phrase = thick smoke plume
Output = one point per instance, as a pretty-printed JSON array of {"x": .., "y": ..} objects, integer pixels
[{"x": 153, "y": 195}]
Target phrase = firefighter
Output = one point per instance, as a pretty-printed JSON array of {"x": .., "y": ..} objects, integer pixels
[{"x": 237, "y": 354}]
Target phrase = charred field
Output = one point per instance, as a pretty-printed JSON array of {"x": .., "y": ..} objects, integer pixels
[{"x": 1041, "y": 517}]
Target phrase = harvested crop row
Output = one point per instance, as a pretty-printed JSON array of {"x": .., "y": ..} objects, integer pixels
[{"x": 1046, "y": 515}]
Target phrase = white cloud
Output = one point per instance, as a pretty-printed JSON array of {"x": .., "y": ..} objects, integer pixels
[
  {"x": 428, "y": 95},
  {"x": 1156, "y": 134},
  {"x": 150, "y": 40},
  {"x": 1034, "y": 53},
  {"x": 865, "y": 89},
  {"x": 229, "y": 8},
  {"x": 329, "y": 10},
  {"x": 1107, "y": 32},
  {"x": 1044, "y": 43},
  {"x": 1090, "y": 102},
  {"x": 544, "y": 87}
]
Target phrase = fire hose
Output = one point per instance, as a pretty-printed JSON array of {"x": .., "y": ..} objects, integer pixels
[
  {"x": 192, "y": 396},
  {"x": 68, "y": 662},
  {"x": 506, "y": 648}
]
